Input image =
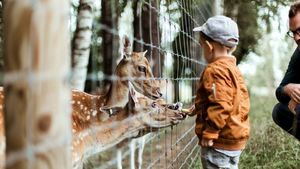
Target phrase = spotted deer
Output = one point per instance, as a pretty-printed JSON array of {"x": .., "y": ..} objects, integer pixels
[
  {"x": 140, "y": 116},
  {"x": 88, "y": 109},
  {"x": 92, "y": 111},
  {"x": 173, "y": 115}
]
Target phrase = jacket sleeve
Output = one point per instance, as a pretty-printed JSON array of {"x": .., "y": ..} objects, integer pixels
[
  {"x": 220, "y": 94},
  {"x": 289, "y": 77}
]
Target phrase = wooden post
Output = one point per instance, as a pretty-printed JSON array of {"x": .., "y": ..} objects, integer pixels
[{"x": 37, "y": 96}]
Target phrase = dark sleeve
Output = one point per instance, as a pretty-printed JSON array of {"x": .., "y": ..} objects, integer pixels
[{"x": 289, "y": 77}]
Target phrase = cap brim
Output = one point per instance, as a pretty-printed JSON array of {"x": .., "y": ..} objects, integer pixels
[{"x": 198, "y": 29}]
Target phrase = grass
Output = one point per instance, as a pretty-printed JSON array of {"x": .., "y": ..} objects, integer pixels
[{"x": 269, "y": 146}]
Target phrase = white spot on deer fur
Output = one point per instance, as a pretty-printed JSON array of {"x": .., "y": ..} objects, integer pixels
[
  {"x": 81, "y": 107},
  {"x": 94, "y": 113},
  {"x": 73, "y": 102},
  {"x": 85, "y": 108},
  {"x": 88, "y": 117},
  {"x": 78, "y": 102},
  {"x": 83, "y": 98}
]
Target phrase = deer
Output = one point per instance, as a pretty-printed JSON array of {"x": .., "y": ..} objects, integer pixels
[
  {"x": 88, "y": 109},
  {"x": 139, "y": 117},
  {"x": 134, "y": 68},
  {"x": 132, "y": 65},
  {"x": 154, "y": 125},
  {"x": 91, "y": 110}
]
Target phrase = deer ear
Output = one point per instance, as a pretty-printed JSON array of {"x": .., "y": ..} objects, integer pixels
[
  {"x": 144, "y": 53},
  {"x": 126, "y": 56},
  {"x": 126, "y": 47},
  {"x": 132, "y": 93}
]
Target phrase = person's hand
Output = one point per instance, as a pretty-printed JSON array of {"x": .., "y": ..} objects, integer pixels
[
  {"x": 292, "y": 105},
  {"x": 207, "y": 142},
  {"x": 293, "y": 90},
  {"x": 189, "y": 111}
]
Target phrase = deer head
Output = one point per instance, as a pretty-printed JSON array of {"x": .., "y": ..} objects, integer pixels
[
  {"x": 135, "y": 119},
  {"x": 154, "y": 113},
  {"x": 136, "y": 65}
]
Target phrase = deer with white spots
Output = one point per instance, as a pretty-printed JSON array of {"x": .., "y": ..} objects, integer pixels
[
  {"x": 90, "y": 111},
  {"x": 133, "y": 68},
  {"x": 134, "y": 73},
  {"x": 140, "y": 116}
]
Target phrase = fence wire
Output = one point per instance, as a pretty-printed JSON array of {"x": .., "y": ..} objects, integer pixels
[{"x": 178, "y": 63}]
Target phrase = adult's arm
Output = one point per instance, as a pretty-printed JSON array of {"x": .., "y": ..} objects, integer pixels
[{"x": 289, "y": 77}]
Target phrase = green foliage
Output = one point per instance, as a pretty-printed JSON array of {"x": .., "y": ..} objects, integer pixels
[{"x": 246, "y": 14}]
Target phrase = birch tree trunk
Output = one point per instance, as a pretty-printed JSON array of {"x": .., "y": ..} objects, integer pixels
[
  {"x": 81, "y": 43},
  {"x": 37, "y": 97}
]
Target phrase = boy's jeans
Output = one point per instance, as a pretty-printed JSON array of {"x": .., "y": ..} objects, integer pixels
[
  {"x": 213, "y": 159},
  {"x": 285, "y": 119}
]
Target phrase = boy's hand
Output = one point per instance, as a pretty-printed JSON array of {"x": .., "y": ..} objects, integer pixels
[
  {"x": 189, "y": 111},
  {"x": 206, "y": 142}
]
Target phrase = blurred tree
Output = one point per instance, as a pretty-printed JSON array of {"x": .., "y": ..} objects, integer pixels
[
  {"x": 110, "y": 12},
  {"x": 246, "y": 13},
  {"x": 37, "y": 102},
  {"x": 146, "y": 29},
  {"x": 105, "y": 45},
  {"x": 1, "y": 37},
  {"x": 81, "y": 43}
]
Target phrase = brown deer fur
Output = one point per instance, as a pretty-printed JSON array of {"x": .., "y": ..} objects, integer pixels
[{"x": 91, "y": 112}]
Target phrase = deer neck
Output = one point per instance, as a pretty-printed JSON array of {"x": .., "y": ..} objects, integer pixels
[{"x": 118, "y": 94}]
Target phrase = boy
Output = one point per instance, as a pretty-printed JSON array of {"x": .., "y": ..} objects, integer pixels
[{"x": 222, "y": 101}]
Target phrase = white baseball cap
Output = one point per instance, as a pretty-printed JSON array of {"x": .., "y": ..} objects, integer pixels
[{"x": 220, "y": 29}]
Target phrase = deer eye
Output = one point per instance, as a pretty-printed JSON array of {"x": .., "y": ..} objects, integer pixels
[
  {"x": 154, "y": 104},
  {"x": 142, "y": 69}
]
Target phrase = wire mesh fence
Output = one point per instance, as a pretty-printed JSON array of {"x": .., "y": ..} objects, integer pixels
[{"x": 162, "y": 30}]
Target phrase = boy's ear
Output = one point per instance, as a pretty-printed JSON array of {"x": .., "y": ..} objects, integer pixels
[
  {"x": 231, "y": 50},
  {"x": 210, "y": 46}
]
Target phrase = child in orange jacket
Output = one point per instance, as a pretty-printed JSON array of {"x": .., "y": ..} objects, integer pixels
[{"x": 222, "y": 100}]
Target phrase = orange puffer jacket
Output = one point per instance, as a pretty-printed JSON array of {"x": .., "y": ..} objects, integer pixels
[{"x": 222, "y": 105}]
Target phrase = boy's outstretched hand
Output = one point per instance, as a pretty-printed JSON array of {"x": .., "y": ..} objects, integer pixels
[
  {"x": 189, "y": 111},
  {"x": 206, "y": 142}
]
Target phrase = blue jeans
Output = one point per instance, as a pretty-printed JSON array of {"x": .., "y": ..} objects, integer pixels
[
  {"x": 285, "y": 119},
  {"x": 213, "y": 159}
]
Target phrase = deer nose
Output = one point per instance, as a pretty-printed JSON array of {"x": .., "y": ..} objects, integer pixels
[{"x": 159, "y": 93}]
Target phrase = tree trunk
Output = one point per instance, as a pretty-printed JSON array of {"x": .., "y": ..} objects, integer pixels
[
  {"x": 146, "y": 29},
  {"x": 37, "y": 99},
  {"x": 81, "y": 43},
  {"x": 109, "y": 19},
  {"x": 1, "y": 39}
]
